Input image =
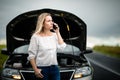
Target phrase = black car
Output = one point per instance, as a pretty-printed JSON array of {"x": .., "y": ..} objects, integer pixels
[{"x": 72, "y": 62}]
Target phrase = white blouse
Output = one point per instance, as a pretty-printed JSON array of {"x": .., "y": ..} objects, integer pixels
[{"x": 44, "y": 49}]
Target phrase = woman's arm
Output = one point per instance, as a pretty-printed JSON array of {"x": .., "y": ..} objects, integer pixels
[
  {"x": 37, "y": 71},
  {"x": 60, "y": 40},
  {"x": 32, "y": 52}
]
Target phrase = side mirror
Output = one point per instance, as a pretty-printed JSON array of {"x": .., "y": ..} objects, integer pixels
[
  {"x": 4, "y": 51},
  {"x": 87, "y": 51}
]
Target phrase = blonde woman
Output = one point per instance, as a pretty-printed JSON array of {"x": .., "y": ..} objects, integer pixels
[{"x": 43, "y": 48}]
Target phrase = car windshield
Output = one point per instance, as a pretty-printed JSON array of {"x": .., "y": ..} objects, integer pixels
[{"x": 68, "y": 49}]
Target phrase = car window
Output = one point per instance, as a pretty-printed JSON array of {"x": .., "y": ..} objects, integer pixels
[
  {"x": 22, "y": 49},
  {"x": 68, "y": 49}
]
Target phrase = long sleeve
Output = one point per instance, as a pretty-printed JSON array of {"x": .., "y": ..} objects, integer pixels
[
  {"x": 43, "y": 50},
  {"x": 62, "y": 45},
  {"x": 33, "y": 47}
]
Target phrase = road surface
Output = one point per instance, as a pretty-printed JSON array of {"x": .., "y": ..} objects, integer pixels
[{"x": 105, "y": 68}]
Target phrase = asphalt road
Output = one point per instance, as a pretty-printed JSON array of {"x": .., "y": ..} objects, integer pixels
[{"x": 105, "y": 68}]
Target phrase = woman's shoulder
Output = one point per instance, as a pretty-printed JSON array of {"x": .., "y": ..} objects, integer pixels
[
  {"x": 54, "y": 35},
  {"x": 35, "y": 35}
]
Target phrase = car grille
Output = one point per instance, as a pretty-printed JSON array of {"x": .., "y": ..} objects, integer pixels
[{"x": 65, "y": 75}]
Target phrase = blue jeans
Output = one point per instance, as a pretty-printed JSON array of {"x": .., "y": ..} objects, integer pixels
[{"x": 50, "y": 72}]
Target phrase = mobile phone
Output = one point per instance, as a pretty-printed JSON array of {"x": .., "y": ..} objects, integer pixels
[{"x": 54, "y": 27}]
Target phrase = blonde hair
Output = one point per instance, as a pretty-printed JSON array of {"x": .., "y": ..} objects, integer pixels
[{"x": 40, "y": 21}]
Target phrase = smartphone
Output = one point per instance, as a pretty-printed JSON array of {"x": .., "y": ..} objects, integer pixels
[{"x": 54, "y": 27}]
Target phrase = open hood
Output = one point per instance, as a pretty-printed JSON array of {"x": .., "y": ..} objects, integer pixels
[{"x": 20, "y": 29}]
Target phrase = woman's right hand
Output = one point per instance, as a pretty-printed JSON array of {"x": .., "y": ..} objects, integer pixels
[{"x": 38, "y": 73}]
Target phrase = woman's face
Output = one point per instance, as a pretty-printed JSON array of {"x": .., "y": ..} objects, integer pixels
[{"x": 48, "y": 23}]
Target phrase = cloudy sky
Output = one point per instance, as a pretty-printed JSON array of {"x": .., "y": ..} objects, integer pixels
[{"x": 101, "y": 16}]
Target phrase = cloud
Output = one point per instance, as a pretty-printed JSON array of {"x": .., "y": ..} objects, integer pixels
[
  {"x": 111, "y": 41},
  {"x": 101, "y": 16}
]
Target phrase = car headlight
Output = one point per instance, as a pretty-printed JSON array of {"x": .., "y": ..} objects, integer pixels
[
  {"x": 11, "y": 73},
  {"x": 82, "y": 72}
]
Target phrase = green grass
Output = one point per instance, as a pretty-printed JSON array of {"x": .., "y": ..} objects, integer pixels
[
  {"x": 113, "y": 51},
  {"x": 2, "y": 56}
]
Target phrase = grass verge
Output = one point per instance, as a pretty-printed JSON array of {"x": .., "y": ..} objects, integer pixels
[
  {"x": 2, "y": 56},
  {"x": 113, "y": 51}
]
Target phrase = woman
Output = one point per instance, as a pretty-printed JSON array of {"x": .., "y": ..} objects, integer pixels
[{"x": 43, "y": 48}]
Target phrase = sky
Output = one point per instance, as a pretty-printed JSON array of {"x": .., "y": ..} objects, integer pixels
[{"x": 102, "y": 17}]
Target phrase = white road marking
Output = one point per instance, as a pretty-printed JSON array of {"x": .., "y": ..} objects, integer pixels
[{"x": 105, "y": 67}]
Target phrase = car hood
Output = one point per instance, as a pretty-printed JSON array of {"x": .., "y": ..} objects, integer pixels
[{"x": 20, "y": 29}]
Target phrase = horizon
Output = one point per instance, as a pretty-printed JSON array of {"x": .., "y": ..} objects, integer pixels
[{"x": 91, "y": 42}]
